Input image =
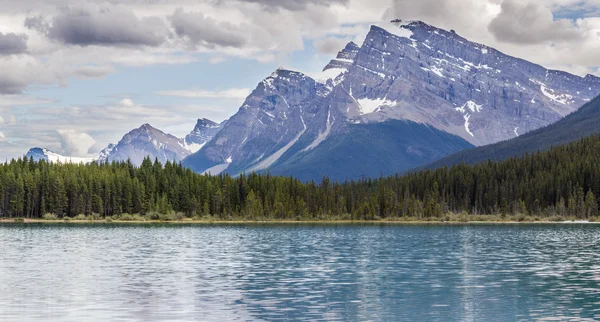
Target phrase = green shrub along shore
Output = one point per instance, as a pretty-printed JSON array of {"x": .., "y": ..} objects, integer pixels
[
  {"x": 555, "y": 185},
  {"x": 174, "y": 217}
]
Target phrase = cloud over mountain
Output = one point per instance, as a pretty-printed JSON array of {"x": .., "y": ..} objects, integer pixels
[{"x": 101, "y": 25}]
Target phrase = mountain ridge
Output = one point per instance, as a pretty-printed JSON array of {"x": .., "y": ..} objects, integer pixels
[
  {"x": 579, "y": 124},
  {"x": 406, "y": 71}
]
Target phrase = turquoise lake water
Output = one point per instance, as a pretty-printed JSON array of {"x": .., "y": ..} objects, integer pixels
[{"x": 57, "y": 272}]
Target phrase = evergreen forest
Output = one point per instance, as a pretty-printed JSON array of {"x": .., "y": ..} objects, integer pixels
[{"x": 563, "y": 182}]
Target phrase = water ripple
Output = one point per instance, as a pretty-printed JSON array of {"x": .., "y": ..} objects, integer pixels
[{"x": 301, "y": 272}]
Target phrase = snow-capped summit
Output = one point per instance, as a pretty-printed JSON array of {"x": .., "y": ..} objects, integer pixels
[
  {"x": 412, "y": 70},
  {"x": 344, "y": 58},
  {"x": 410, "y": 94},
  {"x": 105, "y": 153},
  {"x": 203, "y": 132},
  {"x": 146, "y": 141},
  {"x": 44, "y": 154}
]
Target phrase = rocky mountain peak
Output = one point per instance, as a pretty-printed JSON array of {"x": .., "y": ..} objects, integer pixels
[
  {"x": 205, "y": 123},
  {"x": 407, "y": 77},
  {"x": 146, "y": 141},
  {"x": 203, "y": 132},
  {"x": 344, "y": 58}
]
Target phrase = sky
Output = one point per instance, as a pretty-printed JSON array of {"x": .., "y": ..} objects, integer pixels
[{"x": 78, "y": 75}]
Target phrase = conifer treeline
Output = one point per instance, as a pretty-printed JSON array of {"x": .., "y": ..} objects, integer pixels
[{"x": 563, "y": 181}]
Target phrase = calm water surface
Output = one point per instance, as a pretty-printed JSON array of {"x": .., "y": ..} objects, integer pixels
[{"x": 299, "y": 272}]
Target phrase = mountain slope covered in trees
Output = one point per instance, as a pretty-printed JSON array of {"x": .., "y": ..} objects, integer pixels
[{"x": 563, "y": 181}]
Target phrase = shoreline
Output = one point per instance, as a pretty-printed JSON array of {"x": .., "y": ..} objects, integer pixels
[{"x": 290, "y": 222}]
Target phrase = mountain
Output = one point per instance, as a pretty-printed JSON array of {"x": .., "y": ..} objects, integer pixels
[
  {"x": 44, "y": 154},
  {"x": 146, "y": 141},
  {"x": 418, "y": 72},
  {"x": 203, "y": 132},
  {"x": 282, "y": 128},
  {"x": 582, "y": 123},
  {"x": 371, "y": 150},
  {"x": 428, "y": 77}
]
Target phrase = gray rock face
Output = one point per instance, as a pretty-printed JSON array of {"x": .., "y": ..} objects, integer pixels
[
  {"x": 404, "y": 71},
  {"x": 282, "y": 109},
  {"x": 345, "y": 58},
  {"x": 203, "y": 132},
  {"x": 418, "y": 72},
  {"x": 146, "y": 141}
]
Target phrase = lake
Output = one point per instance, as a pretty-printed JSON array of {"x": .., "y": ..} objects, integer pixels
[{"x": 111, "y": 272}]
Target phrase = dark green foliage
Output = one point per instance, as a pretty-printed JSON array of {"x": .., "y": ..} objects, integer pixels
[{"x": 560, "y": 183}]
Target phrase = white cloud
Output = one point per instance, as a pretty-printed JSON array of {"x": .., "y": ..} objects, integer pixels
[
  {"x": 263, "y": 30},
  {"x": 330, "y": 45},
  {"x": 21, "y": 100},
  {"x": 526, "y": 29},
  {"x": 127, "y": 102},
  {"x": 75, "y": 142},
  {"x": 81, "y": 126},
  {"x": 532, "y": 23},
  {"x": 234, "y": 93},
  {"x": 3, "y": 137},
  {"x": 88, "y": 24}
]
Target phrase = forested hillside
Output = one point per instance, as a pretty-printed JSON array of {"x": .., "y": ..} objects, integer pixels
[{"x": 563, "y": 181}]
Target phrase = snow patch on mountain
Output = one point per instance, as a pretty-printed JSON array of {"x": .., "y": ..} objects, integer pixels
[
  {"x": 328, "y": 74},
  {"x": 203, "y": 132},
  {"x": 193, "y": 147},
  {"x": 467, "y": 117},
  {"x": 216, "y": 170},
  {"x": 322, "y": 135},
  {"x": 474, "y": 108},
  {"x": 50, "y": 156},
  {"x": 563, "y": 99},
  {"x": 267, "y": 162},
  {"x": 368, "y": 105},
  {"x": 106, "y": 152}
]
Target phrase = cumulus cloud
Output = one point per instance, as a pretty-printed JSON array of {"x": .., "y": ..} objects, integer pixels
[
  {"x": 75, "y": 142},
  {"x": 104, "y": 26},
  {"x": 12, "y": 43},
  {"x": 205, "y": 31},
  {"x": 465, "y": 15},
  {"x": 295, "y": 5},
  {"x": 531, "y": 23},
  {"x": 104, "y": 124},
  {"x": 20, "y": 71},
  {"x": 3, "y": 137},
  {"x": 234, "y": 93}
]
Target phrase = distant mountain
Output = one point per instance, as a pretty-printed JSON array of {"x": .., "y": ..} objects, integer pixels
[
  {"x": 44, "y": 154},
  {"x": 203, "y": 132},
  {"x": 407, "y": 71},
  {"x": 582, "y": 123},
  {"x": 146, "y": 141}
]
